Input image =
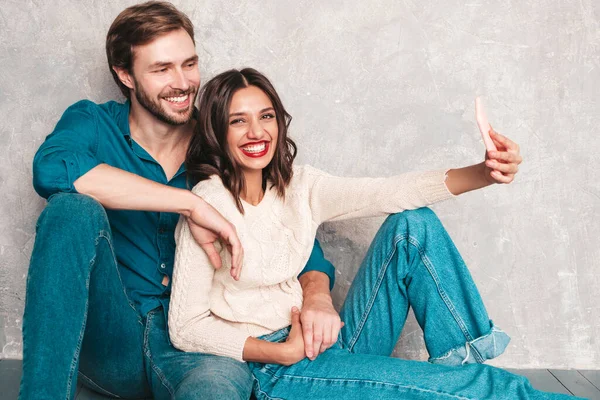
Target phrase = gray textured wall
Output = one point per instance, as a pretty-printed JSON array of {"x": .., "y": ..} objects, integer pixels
[{"x": 375, "y": 88}]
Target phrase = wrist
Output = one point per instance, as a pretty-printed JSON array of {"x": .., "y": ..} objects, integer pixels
[
  {"x": 314, "y": 283},
  {"x": 285, "y": 354},
  {"x": 484, "y": 173},
  {"x": 190, "y": 203}
]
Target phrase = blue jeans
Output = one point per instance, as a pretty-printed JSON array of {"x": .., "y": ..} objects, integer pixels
[
  {"x": 412, "y": 262},
  {"x": 79, "y": 322}
]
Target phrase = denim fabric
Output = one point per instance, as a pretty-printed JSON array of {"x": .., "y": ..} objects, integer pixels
[
  {"x": 78, "y": 317},
  {"x": 412, "y": 262}
]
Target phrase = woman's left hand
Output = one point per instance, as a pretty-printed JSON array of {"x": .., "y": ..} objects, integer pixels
[{"x": 502, "y": 165}]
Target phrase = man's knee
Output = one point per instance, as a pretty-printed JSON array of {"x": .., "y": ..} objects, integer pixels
[
  {"x": 73, "y": 210},
  {"x": 224, "y": 379}
]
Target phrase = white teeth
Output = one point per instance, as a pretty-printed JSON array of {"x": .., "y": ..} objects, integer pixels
[
  {"x": 179, "y": 99},
  {"x": 255, "y": 148}
]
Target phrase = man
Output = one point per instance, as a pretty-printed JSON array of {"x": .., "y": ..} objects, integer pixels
[{"x": 99, "y": 279}]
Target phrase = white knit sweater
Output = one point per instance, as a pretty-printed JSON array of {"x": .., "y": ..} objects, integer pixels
[{"x": 210, "y": 312}]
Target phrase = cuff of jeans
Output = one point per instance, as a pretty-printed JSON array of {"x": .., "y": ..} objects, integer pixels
[{"x": 478, "y": 350}]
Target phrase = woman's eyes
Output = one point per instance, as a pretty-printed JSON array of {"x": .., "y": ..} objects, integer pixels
[{"x": 241, "y": 120}]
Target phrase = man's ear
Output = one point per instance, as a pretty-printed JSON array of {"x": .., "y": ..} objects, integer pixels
[{"x": 124, "y": 76}]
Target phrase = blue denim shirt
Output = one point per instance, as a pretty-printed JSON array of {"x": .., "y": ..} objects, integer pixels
[{"x": 89, "y": 134}]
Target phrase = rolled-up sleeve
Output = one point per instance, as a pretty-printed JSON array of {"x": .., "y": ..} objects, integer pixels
[
  {"x": 68, "y": 152},
  {"x": 318, "y": 262}
]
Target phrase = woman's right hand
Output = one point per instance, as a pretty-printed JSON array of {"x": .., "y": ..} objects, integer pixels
[{"x": 294, "y": 344}]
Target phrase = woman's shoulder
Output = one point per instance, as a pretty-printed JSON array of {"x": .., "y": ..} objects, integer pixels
[
  {"x": 214, "y": 192},
  {"x": 212, "y": 184},
  {"x": 306, "y": 175}
]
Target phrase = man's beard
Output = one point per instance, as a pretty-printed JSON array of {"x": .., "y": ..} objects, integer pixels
[{"x": 155, "y": 108}]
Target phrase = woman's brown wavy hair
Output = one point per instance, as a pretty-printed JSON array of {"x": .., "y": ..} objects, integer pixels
[{"x": 209, "y": 154}]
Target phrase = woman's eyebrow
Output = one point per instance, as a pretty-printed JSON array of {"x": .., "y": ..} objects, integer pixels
[{"x": 235, "y": 114}]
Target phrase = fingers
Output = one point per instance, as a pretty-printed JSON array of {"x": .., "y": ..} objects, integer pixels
[
  {"x": 235, "y": 249},
  {"x": 511, "y": 168},
  {"x": 317, "y": 339},
  {"x": 307, "y": 334},
  {"x": 327, "y": 339},
  {"x": 502, "y": 178},
  {"x": 295, "y": 316},
  {"x": 505, "y": 156},
  {"x": 504, "y": 141},
  {"x": 213, "y": 255}
]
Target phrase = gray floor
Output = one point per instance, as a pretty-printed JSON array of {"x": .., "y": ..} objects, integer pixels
[{"x": 580, "y": 383}]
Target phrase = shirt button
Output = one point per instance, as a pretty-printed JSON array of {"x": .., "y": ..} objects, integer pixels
[
  {"x": 161, "y": 230},
  {"x": 163, "y": 265}
]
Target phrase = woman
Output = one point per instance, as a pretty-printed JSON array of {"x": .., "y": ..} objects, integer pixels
[{"x": 242, "y": 158}]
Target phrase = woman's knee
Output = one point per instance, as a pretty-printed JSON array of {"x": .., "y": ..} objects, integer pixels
[{"x": 421, "y": 219}]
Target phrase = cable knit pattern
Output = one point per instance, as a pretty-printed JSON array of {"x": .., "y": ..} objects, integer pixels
[{"x": 210, "y": 312}]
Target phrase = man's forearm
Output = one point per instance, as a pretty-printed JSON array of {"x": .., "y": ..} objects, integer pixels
[{"x": 115, "y": 188}]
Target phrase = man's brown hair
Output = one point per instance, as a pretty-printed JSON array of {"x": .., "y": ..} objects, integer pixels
[
  {"x": 208, "y": 153},
  {"x": 138, "y": 25}
]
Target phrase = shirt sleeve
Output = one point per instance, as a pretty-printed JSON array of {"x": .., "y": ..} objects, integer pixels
[
  {"x": 334, "y": 198},
  {"x": 318, "y": 262},
  {"x": 68, "y": 152},
  {"x": 192, "y": 326}
]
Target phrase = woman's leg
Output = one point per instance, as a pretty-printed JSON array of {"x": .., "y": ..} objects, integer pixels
[
  {"x": 77, "y": 316},
  {"x": 339, "y": 374},
  {"x": 413, "y": 262}
]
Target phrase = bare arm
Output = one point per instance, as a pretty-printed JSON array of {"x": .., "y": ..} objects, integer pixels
[
  {"x": 118, "y": 189},
  {"x": 500, "y": 166},
  {"x": 115, "y": 188},
  {"x": 287, "y": 353}
]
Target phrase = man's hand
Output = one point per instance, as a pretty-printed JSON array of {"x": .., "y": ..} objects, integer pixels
[
  {"x": 207, "y": 226},
  {"x": 321, "y": 323}
]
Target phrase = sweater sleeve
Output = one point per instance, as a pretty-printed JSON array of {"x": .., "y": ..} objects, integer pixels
[
  {"x": 192, "y": 326},
  {"x": 334, "y": 198}
]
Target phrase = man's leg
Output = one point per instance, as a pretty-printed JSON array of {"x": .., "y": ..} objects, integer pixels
[
  {"x": 413, "y": 262},
  {"x": 77, "y": 315},
  {"x": 179, "y": 375}
]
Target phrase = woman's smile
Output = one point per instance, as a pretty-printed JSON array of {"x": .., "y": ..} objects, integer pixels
[{"x": 256, "y": 149}]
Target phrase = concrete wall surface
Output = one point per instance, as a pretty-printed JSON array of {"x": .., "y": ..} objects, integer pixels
[{"x": 376, "y": 88}]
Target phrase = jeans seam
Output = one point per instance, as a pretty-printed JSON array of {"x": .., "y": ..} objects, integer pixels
[
  {"x": 81, "y": 332},
  {"x": 262, "y": 393},
  {"x": 371, "y": 301},
  {"x": 98, "y": 387},
  {"x": 105, "y": 235},
  {"x": 360, "y": 381},
  {"x": 147, "y": 352},
  {"x": 433, "y": 273}
]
